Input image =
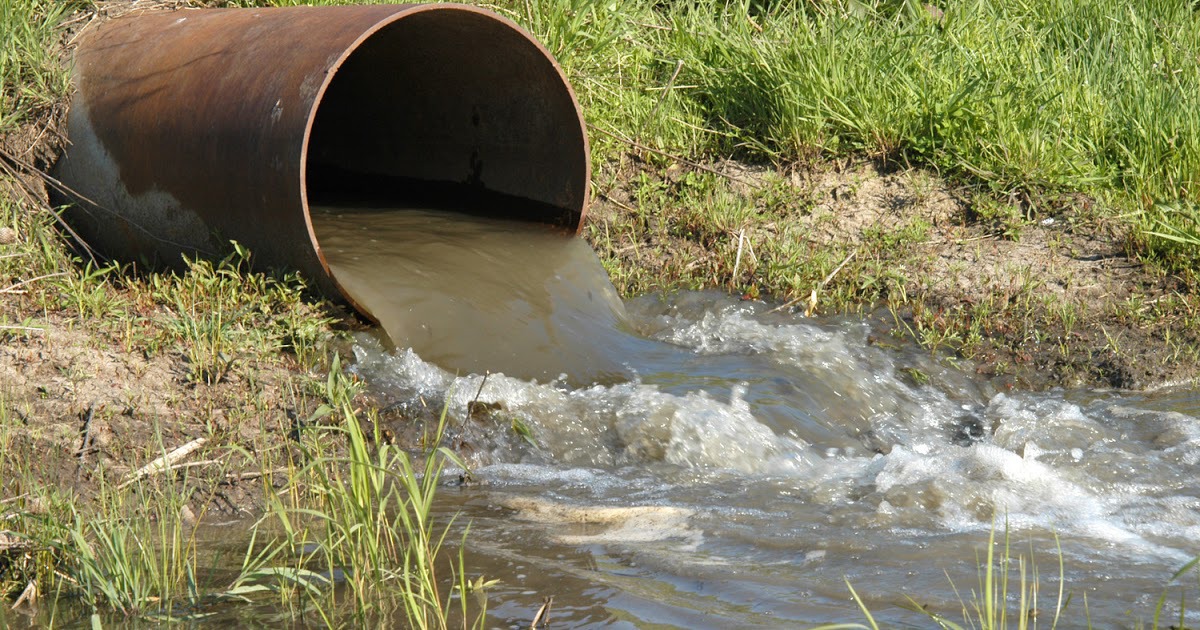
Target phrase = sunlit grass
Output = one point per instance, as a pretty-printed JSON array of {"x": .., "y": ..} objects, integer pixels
[
  {"x": 1006, "y": 600},
  {"x": 1015, "y": 97},
  {"x": 1009, "y": 97},
  {"x": 32, "y": 79},
  {"x": 367, "y": 517}
]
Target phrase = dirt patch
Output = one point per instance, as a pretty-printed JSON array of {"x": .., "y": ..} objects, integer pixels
[
  {"x": 1055, "y": 300},
  {"x": 93, "y": 383},
  {"x": 1034, "y": 297}
]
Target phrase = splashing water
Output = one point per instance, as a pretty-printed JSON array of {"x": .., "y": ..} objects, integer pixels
[{"x": 726, "y": 466}]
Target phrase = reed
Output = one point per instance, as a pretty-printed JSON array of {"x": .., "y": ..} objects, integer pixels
[
  {"x": 371, "y": 522},
  {"x": 1003, "y": 600}
]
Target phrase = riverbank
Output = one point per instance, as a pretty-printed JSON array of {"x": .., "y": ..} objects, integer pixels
[{"x": 1009, "y": 254}]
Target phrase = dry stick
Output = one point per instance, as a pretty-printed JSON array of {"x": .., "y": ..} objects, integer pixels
[
  {"x": 47, "y": 128},
  {"x": 13, "y": 499},
  {"x": 63, "y": 188},
  {"x": 87, "y": 438},
  {"x": 737, "y": 262},
  {"x": 203, "y": 462},
  {"x": 13, "y": 288},
  {"x": 624, "y": 206},
  {"x": 83, "y": 29},
  {"x": 165, "y": 462},
  {"x": 679, "y": 87},
  {"x": 246, "y": 476},
  {"x": 812, "y": 298},
  {"x": 653, "y": 114},
  {"x": 637, "y": 145},
  {"x": 25, "y": 328},
  {"x": 6, "y": 164},
  {"x": 29, "y": 596},
  {"x": 656, "y": 27},
  {"x": 481, "y": 384},
  {"x": 542, "y": 618}
]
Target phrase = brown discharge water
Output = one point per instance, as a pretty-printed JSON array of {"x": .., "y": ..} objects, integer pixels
[
  {"x": 478, "y": 295},
  {"x": 736, "y": 465}
]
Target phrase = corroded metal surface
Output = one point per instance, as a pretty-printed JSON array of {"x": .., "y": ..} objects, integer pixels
[{"x": 193, "y": 128}]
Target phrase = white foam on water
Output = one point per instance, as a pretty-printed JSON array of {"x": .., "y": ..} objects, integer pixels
[
  {"x": 858, "y": 386},
  {"x": 615, "y": 425},
  {"x": 1113, "y": 480}
]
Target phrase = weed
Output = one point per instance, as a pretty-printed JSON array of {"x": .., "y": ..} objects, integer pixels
[
  {"x": 31, "y": 79},
  {"x": 372, "y": 522}
]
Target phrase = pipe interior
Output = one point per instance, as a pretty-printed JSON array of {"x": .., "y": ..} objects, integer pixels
[{"x": 450, "y": 107}]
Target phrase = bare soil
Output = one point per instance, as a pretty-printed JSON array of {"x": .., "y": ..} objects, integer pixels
[
  {"x": 92, "y": 407},
  {"x": 1056, "y": 301}
]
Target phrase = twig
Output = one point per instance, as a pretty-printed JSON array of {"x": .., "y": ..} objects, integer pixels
[
  {"x": 87, "y": 439},
  {"x": 959, "y": 241},
  {"x": 14, "y": 499},
  {"x": 812, "y": 298},
  {"x": 75, "y": 20},
  {"x": 255, "y": 474},
  {"x": 620, "y": 204},
  {"x": 83, "y": 29},
  {"x": 7, "y": 162},
  {"x": 24, "y": 328},
  {"x": 737, "y": 262},
  {"x": 13, "y": 288},
  {"x": 663, "y": 98},
  {"x": 165, "y": 462},
  {"x": 637, "y": 145},
  {"x": 203, "y": 462},
  {"x": 28, "y": 596},
  {"x": 481, "y": 384},
  {"x": 542, "y": 618},
  {"x": 657, "y": 27}
]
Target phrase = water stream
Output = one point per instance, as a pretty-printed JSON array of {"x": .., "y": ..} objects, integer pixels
[{"x": 695, "y": 461}]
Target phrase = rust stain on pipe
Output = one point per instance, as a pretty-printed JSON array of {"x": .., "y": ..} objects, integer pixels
[{"x": 192, "y": 128}]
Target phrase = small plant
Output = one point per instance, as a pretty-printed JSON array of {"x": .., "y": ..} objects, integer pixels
[
  {"x": 988, "y": 607},
  {"x": 373, "y": 520}
]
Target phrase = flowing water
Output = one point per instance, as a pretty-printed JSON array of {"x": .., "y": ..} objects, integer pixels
[{"x": 695, "y": 461}]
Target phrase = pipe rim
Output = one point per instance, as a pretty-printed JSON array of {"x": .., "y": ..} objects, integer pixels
[{"x": 406, "y": 11}]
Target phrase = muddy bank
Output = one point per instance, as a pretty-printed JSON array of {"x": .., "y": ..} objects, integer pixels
[
  {"x": 99, "y": 378},
  {"x": 1052, "y": 296}
]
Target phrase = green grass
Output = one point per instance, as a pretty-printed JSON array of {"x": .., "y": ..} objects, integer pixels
[
  {"x": 348, "y": 537},
  {"x": 1008, "y": 595},
  {"x": 1018, "y": 98},
  {"x": 120, "y": 554},
  {"x": 1019, "y": 101},
  {"x": 32, "y": 80},
  {"x": 368, "y": 515}
]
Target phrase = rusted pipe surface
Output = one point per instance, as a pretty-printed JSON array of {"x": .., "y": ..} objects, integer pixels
[{"x": 192, "y": 128}]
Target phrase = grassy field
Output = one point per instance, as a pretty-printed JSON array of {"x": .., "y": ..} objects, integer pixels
[
  {"x": 713, "y": 125},
  {"x": 1050, "y": 126},
  {"x": 1022, "y": 100}
]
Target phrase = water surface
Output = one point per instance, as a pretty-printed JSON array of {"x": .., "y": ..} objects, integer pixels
[{"x": 710, "y": 463}]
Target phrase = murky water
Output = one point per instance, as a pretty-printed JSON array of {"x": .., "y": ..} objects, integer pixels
[
  {"x": 732, "y": 467},
  {"x": 475, "y": 295}
]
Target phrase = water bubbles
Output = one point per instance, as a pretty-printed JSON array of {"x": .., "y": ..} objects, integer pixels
[{"x": 779, "y": 434}]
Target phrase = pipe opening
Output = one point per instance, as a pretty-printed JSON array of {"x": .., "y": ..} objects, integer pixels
[{"x": 452, "y": 107}]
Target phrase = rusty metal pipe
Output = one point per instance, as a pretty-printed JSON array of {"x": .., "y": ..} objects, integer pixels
[{"x": 192, "y": 128}]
